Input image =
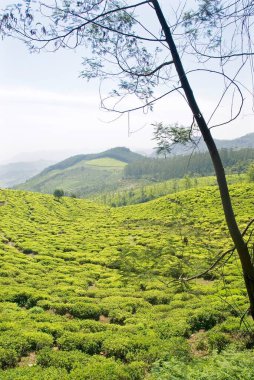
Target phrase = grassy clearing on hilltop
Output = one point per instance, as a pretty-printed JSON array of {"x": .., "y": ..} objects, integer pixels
[
  {"x": 93, "y": 292},
  {"x": 107, "y": 162}
]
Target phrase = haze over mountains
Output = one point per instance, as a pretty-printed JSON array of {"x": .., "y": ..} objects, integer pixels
[
  {"x": 16, "y": 173},
  {"x": 246, "y": 141}
]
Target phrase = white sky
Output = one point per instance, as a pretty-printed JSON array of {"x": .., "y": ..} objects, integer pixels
[{"x": 45, "y": 106}]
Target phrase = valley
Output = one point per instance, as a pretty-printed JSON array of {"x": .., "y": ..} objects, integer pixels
[
  {"x": 93, "y": 292},
  {"x": 117, "y": 265}
]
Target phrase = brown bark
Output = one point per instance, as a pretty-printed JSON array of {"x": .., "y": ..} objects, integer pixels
[{"x": 240, "y": 244}]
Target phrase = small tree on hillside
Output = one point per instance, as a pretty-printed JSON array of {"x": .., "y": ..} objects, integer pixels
[
  {"x": 146, "y": 56},
  {"x": 250, "y": 172},
  {"x": 58, "y": 193}
]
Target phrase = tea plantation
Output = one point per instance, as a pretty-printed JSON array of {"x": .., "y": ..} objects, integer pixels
[{"x": 99, "y": 293}]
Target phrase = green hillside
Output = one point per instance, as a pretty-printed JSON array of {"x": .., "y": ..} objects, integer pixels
[
  {"x": 84, "y": 175},
  {"x": 152, "y": 190},
  {"x": 194, "y": 164},
  {"x": 90, "y": 292},
  {"x": 118, "y": 176},
  {"x": 121, "y": 154}
]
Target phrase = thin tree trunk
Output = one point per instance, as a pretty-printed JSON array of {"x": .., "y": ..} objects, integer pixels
[{"x": 240, "y": 244}]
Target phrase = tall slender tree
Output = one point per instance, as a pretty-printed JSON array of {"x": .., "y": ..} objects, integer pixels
[{"x": 146, "y": 55}]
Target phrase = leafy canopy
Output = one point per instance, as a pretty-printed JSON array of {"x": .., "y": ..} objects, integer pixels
[
  {"x": 123, "y": 42},
  {"x": 167, "y": 136}
]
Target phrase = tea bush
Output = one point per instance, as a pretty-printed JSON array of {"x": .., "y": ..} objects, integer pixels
[
  {"x": 217, "y": 340},
  {"x": 205, "y": 319},
  {"x": 65, "y": 307},
  {"x": 8, "y": 358},
  {"x": 108, "y": 369},
  {"x": 62, "y": 359},
  {"x": 38, "y": 340},
  {"x": 87, "y": 343},
  {"x": 35, "y": 373},
  {"x": 85, "y": 311},
  {"x": 18, "y": 342}
]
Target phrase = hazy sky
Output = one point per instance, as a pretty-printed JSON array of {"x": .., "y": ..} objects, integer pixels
[{"x": 45, "y": 106}]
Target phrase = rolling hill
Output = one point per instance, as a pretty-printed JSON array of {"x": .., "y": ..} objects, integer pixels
[
  {"x": 88, "y": 292},
  {"x": 116, "y": 173},
  {"x": 83, "y": 175},
  {"x": 196, "y": 164}
]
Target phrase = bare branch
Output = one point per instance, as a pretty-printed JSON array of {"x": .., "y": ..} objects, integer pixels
[
  {"x": 232, "y": 81},
  {"x": 221, "y": 257},
  {"x": 210, "y": 268},
  {"x": 144, "y": 74},
  {"x": 141, "y": 107}
]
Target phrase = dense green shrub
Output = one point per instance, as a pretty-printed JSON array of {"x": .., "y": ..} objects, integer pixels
[
  {"x": 92, "y": 326},
  {"x": 24, "y": 342},
  {"x": 118, "y": 346},
  {"x": 156, "y": 297},
  {"x": 250, "y": 172},
  {"x": 205, "y": 319},
  {"x": 8, "y": 357},
  {"x": 231, "y": 325},
  {"x": 34, "y": 373},
  {"x": 176, "y": 347},
  {"x": 88, "y": 343},
  {"x": 36, "y": 310},
  {"x": 37, "y": 340},
  {"x": 85, "y": 311},
  {"x": 171, "y": 327},
  {"x": 60, "y": 308},
  {"x": 15, "y": 341},
  {"x": 130, "y": 348},
  {"x": 151, "y": 350},
  {"x": 217, "y": 340},
  {"x": 63, "y": 359},
  {"x": 27, "y": 298},
  {"x": 136, "y": 370},
  {"x": 99, "y": 367},
  {"x": 54, "y": 329},
  {"x": 119, "y": 316}
]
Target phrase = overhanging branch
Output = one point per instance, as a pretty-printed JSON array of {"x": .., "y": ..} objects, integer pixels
[
  {"x": 220, "y": 258},
  {"x": 150, "y": 103}
]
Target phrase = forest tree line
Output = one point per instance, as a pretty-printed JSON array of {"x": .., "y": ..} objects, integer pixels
[{"x": 235, "y": 161}]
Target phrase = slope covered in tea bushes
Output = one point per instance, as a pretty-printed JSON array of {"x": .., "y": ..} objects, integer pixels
[{"x": 90, "y": 292}]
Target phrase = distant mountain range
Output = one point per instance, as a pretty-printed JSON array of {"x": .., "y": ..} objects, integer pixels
[
  {"x": 246, "y": 141},
  {"x": 81, "y": 175},
  {"x": 18, "y": 172}
]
